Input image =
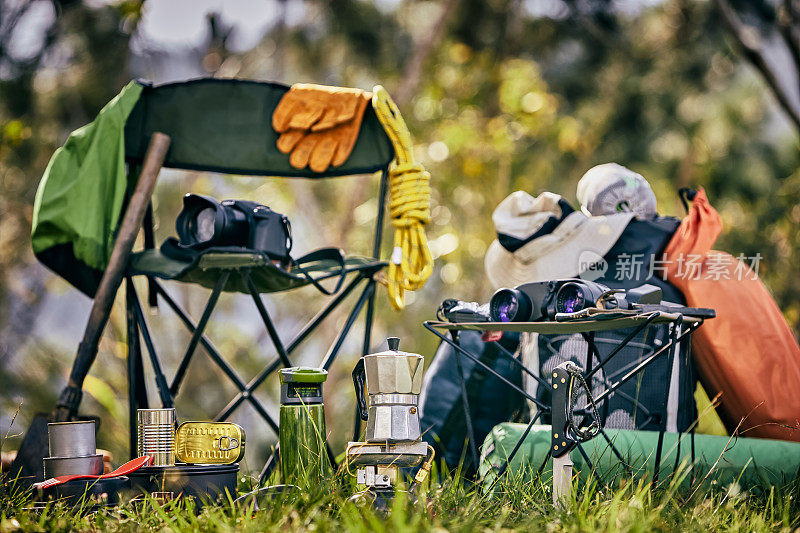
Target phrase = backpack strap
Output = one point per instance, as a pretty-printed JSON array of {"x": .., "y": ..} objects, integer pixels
[{"x": 686, "y": 194}]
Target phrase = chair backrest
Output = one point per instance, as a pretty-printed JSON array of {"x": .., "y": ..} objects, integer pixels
[{"x": 225, "y": 125}]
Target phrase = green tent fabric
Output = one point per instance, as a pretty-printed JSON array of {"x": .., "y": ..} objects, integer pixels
[
  {"x": 750, "y": 462},
  {"x": 221, "y": 125},
  {"x": 265, "y": 275},
  {"x": 81, "y": 195}
]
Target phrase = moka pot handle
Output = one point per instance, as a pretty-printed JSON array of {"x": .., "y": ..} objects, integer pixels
[{"x": 359, "y": 381}]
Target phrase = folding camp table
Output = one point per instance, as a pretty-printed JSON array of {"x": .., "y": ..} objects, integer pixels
[{"x": 681, "y": 328}]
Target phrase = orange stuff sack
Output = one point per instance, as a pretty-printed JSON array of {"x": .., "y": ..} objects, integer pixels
[{"x": 748, "y": 352}]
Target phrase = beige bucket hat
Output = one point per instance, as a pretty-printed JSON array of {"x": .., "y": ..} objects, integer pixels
[{"x": 542, "y": 238}]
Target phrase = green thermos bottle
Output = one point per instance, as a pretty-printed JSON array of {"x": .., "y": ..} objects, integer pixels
[{"x": 302, "y": 436}]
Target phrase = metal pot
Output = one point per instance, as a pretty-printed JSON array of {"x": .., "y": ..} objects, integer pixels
[{"x": 67, "y": 466}]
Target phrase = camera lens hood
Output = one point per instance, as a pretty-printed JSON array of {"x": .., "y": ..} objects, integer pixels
[
  {"x": 231, "y": 222},
  {"x": 192, "y": 205}
]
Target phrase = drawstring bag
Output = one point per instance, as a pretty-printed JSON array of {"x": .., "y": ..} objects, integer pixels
[{"x": 748, "y": 352}]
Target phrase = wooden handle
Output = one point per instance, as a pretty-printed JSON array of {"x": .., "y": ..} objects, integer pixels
[{"x": 112, "y": 277}]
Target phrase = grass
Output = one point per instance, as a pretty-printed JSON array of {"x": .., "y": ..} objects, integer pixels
[{"x": 452, "y": 504}]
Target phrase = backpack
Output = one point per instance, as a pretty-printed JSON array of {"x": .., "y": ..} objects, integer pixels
[
  {"x": 748, "y": 352},
  {"x": 666, "y": 386}
]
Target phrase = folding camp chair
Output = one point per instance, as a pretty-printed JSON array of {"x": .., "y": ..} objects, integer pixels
[{"x": 225, "y": 126}]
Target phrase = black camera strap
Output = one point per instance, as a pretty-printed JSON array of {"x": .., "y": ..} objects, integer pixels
[{"x": 323, "y": 254}]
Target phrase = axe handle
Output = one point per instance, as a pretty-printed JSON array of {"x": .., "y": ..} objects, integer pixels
[{"x": 114, "y": 272}]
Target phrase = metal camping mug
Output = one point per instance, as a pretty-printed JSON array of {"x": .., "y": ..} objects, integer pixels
[
  {"x": 156, "y": 435},
  {"x": 71, "y": 439},
  {"x": 67, "y": 466}
]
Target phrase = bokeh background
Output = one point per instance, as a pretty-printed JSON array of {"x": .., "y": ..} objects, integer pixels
[{"x": 499, "y": 95}]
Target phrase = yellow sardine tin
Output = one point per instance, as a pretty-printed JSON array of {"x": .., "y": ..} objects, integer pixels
[{"x": 218, "y": 443}]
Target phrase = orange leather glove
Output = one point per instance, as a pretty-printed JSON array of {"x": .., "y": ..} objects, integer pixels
[{"x": 319, "y": 125}]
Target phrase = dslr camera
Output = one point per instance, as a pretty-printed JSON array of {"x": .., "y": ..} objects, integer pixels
[{"x": 204, "y": 223}]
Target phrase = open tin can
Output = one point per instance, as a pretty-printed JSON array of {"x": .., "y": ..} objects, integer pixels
[
  {"x": 220, "y": 443},
  {"x": 156, "y": 436}
]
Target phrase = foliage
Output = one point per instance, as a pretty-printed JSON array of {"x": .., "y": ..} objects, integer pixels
[{"x": 452, "y": 505}]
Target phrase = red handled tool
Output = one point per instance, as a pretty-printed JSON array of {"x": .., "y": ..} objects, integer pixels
[{"x": 129, "y": 467}]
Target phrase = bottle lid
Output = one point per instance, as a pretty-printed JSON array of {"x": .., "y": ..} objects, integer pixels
[{"x": 303, "y": 374}]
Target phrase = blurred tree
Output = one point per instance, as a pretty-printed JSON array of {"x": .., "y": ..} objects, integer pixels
[
  {"x": 60, "y": 62},
  {"x": 768, "y": 36}
]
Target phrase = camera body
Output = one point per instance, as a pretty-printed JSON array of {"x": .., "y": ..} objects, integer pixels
[
  {"x": 270, "y": 232},
  {"x": 532, "y": 302},
  {"x": 204, "y": 223}
]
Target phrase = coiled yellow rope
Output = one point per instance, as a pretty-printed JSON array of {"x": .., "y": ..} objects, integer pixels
[{"x": 409, "y": 205}]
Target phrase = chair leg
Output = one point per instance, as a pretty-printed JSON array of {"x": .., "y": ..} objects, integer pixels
[
  {"x": 137, "y": 392},
  {"x": 383, "y": 189},
  {"x": 365, "y": 349},
  {"x": 161, "y": 380},
  {"x": 215, "y": 356},
  {"x": 240, "y": 384},
  {"x": 198, "y": 332},
  {"x": 273, "y": 334},
  {"x": 269, "y": 466},
  {"x": 299, "y": 338},
  {"x": 368, "y": 319},
  {"x": 327, "y": 361}
]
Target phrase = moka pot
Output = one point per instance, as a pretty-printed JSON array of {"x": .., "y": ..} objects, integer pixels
[{"x": 392, "y": 380}]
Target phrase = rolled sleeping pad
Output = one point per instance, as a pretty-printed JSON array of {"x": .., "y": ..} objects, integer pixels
[{"x": 750, "y": 462}]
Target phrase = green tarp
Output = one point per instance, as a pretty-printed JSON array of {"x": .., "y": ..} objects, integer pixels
[
  {"x": 81, "y": 194},
  {"x": 724, "y": 460},
  {"x": 221, "y": 125}
]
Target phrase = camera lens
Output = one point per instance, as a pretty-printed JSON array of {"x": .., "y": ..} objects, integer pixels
[
  {"x": 205, "y": 222},
  {"x": 202, "y": 226},
  {"x": 510, "y": 305},
  {"x": 570, "y": 298},
  {"x": 197, "y": 222}
]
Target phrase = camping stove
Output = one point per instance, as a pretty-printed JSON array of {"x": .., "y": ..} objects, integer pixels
[{"x": 392, "y": 381}]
